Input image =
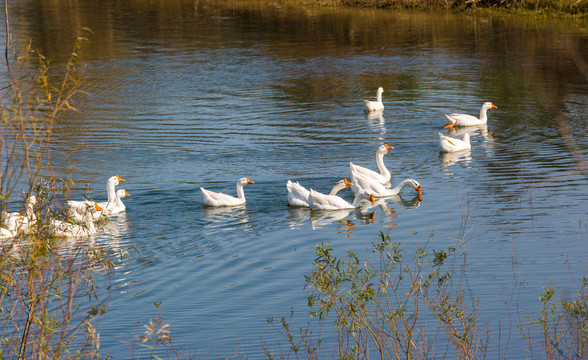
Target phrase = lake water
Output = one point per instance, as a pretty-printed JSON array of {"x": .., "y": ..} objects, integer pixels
[{"x": 182, "y": 95}]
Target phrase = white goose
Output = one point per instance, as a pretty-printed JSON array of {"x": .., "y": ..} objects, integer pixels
[
  {"x": 68, "y": 230},
  {"x": 212, "y": 198},
  {"x": 364, "y": 184},
  {"x": 92, "y": 212},
  {"x": 383, "y": 176},
  {"x": 449, "y": 144},
  {"x": 116, "y": 206},
  {"x": 16, "y": 223},
  {"x": 469, "y": 120},
  {"x": 6, "y": 234},
  {"x": 374, "y": 105},
  {"x": 298, "y": 194},
  {"x": 111, "y": 203},
  {"x": 319, "y": 201}
]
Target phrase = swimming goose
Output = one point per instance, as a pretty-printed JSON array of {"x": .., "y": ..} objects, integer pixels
[
  {"x": 374, "y": 105},
  {"x": 298, "y": 194},
  {"x": 116, "y": 206},
  {"x": 111, "y": 203},
  {"x": 93, "y": 212},
  {"x": 319, "y": 201},
  {"x": 65, "y": 229},
  {"x": 383, "y": 176},
  {"x": 15, "y": 222},
  {"x": 449, "y": 144},
  {"x": 364, "y": 184},
  {"x": 212, "y": 198},
  {"x": 469, "y": 120}
]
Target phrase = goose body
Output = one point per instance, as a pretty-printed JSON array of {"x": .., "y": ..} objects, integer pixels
[
  {"x": 66, "y": 229},
  {"x": 378, "y": 190},
  {"x": 298, "y": 194},
  {"x": 319, "y": 201},
  {"x": 383, "y": 176},
  {"x": 6, "y": 234},
  {"x": 116, "y": 206},
  {"x": 469, "y": 120},
  {"x": 450, "y": 144},
  {"x": 92, "y": 213},
  {"x": 375, "y": 105},
  {"x": 212, "y": 198},
  {"x": 16, "y": 222}
]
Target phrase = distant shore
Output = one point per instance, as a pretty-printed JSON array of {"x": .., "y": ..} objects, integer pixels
[{"x": 546, "y": 7}]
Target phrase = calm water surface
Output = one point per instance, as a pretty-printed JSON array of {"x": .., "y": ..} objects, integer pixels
[{"x": 184, "y": 95}]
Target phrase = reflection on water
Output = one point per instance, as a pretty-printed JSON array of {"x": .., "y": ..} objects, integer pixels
[
  {"x": 320, "y": 218},
  {"x": 451, "y": 158},
  {"x": 185, "y": 94},
  {"x": 477, "y": 130},
  {"x": 376, "y": 121}
]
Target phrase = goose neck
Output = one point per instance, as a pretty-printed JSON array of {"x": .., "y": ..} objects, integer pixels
[
  {"x": 483, "y": 116},
  {"x": 240, "y": 192},
  {"x": 111, "y": 191},
  {"x": 381, "y": 166},
  {"x": 338, "y": 187}
]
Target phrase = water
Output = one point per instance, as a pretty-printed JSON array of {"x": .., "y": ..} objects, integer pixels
[{"x": 188, "y": 95}]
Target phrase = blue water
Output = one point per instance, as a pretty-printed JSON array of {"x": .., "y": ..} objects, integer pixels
[{"x": 175, "y": 106}]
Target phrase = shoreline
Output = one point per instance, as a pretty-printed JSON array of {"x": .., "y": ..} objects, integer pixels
[{"x": 576, "y": 8}]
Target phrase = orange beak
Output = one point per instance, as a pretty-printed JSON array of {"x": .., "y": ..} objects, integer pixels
[
  {"x": 127, "y": 194},
  {"x": 418, "y": 189},
  {"x": 347, "y": 183},
  {"x": 97, "y": 207},
  {"x": 249, "y": 181},
  {"x": 494, "y": 106},
  {"x": 372, "y": 199},
  {"x": 449, "y": 125},
  {"x": 119, "y": 178},
  {"x": 388, "y": 147}
]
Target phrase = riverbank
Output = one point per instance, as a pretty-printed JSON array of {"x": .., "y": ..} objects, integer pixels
[{"x": 543, "y": 7}]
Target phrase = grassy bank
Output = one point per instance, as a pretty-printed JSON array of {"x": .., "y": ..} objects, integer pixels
[{"x": 545, "y": 7}]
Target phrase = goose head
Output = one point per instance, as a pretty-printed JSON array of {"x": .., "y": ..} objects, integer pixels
[
  {"x": 384, "y": 148},
  {"x": 415, "y": 185},
  {"x": 488, "y": 105},
  {"x": 115, "y": 180},
  {"x": 244, "y": 181}
]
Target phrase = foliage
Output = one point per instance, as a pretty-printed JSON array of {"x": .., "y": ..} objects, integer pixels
[
  {"x": 400, "y": 307},
  {"x": 49, "y": 301},
  {"x": 562, "y": 325}
]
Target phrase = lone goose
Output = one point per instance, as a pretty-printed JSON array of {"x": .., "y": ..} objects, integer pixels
[
  {"x": 449, "y": 144},
  {"x": 469, "y": 120},
  {"x": 374, "y": 105},
  {"x": 212, "y": 198}
]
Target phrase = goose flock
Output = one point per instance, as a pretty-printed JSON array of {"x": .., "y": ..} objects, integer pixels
[
  {"x": 366, "y": 184},
  {"x": 83, "y": 216}
]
